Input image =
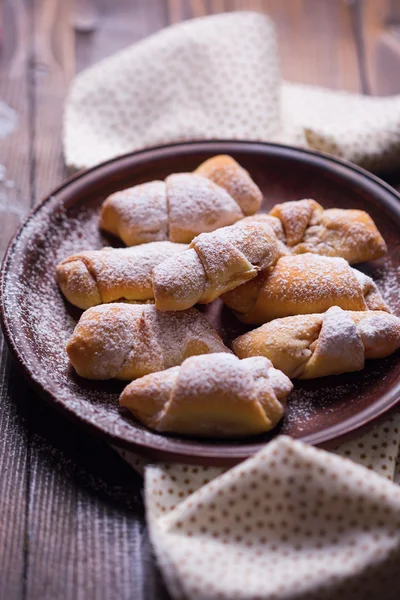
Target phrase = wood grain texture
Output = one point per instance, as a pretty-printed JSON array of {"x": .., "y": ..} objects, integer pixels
[
  {"x": 114, "y": 25},
  {"x": 315, "y": 37},
  {"x": 381, "y": 29},
  {"x": 14, "y": 480},
  {"x": 72, "y": 522},
  {"x": 52, "y": 68},
  {"x": 15, "y": 158}
]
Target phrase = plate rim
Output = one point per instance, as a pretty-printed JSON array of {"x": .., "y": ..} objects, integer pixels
[{"x": 325, "y": 438}]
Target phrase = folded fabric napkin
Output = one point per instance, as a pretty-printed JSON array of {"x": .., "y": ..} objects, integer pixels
[
  {"x": 218, "y": 78},
  {"x": 292, "y": 522}
]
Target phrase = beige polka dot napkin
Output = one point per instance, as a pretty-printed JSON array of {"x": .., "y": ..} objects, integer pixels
[
  {"x": 218, "y": 78},
  {"x": 292, "y": 522}
]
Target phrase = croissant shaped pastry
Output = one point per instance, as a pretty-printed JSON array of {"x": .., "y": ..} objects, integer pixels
[
  {"x": 227, "y": 173},
  {"x": 99, "y": 276},
  {"x": 303, "y": 284},
  {"x": 125, "y": 341},
  {"x": 178, "y": 209},
  {"x": 213, "y": 264},
  {"x": 304, "y": 226},
  {"x": 214, "y": 395},
  {"x": 317, "y": 345}
]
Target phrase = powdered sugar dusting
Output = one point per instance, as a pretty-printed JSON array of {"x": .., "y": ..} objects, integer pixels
[
  {"x": 246, "y": 390},
  {"x": 387, "y": 278},
  {"x": 227, "y": 173},
  {"x": 197, "y": 204},
  {"x": 126, "y": 341},
  {"x": 122, "y": 272},
  {"x": 304, "y": 283},
  {"x": 348, "y": 233},
  {"x": 295, "y": 217},
  {"x": 138, "y": 214},
  {"x": 214, "y": 263},
  {"x": 41, "y": 322}
]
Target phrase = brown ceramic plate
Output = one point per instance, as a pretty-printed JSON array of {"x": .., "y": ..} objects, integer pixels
[{"x": 37, "y": 321}]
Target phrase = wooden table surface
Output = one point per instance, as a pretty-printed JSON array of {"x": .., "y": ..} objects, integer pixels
[{"x": 71, "y": 512}]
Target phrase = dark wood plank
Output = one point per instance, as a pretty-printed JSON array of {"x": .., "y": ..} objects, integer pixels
[
  {"x": 380, "y": 25},
  {"x": 381, "y": 35},
  {"x": 86, "y": 519},
  {"x": 14, "y": 479},
  {"x": 102, "y": 27},
  {"x": 52, "y": 69},
  {"x": 14, "y": 158},
  {"x": 316, "y": 41}
]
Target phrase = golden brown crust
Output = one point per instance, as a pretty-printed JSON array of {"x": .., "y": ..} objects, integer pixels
[
  {"x": 228, "y": 174},
  {"x": 347, "y": 233},
  {"x": 125, "y": 341},
  {"x": 296, "y": 217},
  {"x": 214, "y": 263},
  {"x": 272, "y": 222},
  {"x": 217, "y": 194},
  {"x": 137, "y": 215},
  {"x": 211, "y": 396},
  {"x": 317, "y": 345},
  {"x": 196, "y": 205},
  {"x": 304, "y": 284},
  {"x": 99, "y": 276}
]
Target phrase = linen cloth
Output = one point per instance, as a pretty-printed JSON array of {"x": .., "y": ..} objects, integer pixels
[
  {"x": 218, "y": 78},
  {"x": 292, "y": 522}
]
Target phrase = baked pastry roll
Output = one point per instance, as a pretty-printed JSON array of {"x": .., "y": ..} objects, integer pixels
[
  {"x": 125, "y": 341},
  {"x": 348, "y": 233},
  {"x": 177, "y": 210},
  {"x": 227, "y": 173},
  {"x": 272, "y": 222},
  {"x": 308, "y": 346},
  {"x": 99, "y": 276},
  {"x": 216, "y": 395},
  {"x": 303, "y": 284},
  {"x": 213, "y": 264},
  {"x": 304, "y": 226}
]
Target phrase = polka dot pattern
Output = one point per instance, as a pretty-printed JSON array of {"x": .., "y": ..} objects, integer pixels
[
  {"x": 329, "y": 527},
  {"x": 361, "y": 129},
  {"x": 218, "y": 78},
  {"x": 215, "y": 77},
  {"x": 378, "y": 449},
  {"x": 290, "y": 520}
]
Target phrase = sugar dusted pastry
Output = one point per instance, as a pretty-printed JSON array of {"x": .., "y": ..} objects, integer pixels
[
  {"x": 125, "y": 341},
  {"x": 308, "y": 346},
  {"x": 348, "y": 233},
  {"x": 227, "y": 173},
  {"x": 99, "y": 276},
  {"x": 303, "y": 284},
  {"x": 178, "y": 209},
  {"x": 213, "y": 264},
  {"x": 274, "y": 224},
  {"x": 214, "y": 395},
  {"x": 304, "y": 226}
]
